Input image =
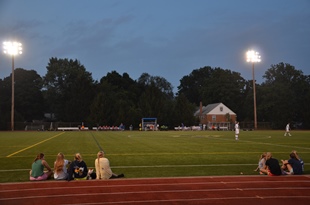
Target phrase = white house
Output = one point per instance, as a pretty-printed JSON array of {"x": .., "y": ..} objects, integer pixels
[{"x": 216, "y": 116}]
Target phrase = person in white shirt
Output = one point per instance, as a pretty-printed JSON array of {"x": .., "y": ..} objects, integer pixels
[
  {"x": 60, "y": 167},
  {"x": 103, "y": 169},
  {"x": 287, "y": 130},
  {"x": 237, "y": 130}
]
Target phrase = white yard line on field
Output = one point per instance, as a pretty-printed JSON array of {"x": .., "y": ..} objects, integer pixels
[{"x": 10, "y": 155}]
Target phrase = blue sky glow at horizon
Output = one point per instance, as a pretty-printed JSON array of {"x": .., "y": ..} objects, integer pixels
[{"x": 166, "y": 38}]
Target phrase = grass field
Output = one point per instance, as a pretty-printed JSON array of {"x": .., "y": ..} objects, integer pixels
[{"x": 152, "y": 154}]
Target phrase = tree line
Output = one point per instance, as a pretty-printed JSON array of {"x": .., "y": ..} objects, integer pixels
[{"x": 68, "y": 92}]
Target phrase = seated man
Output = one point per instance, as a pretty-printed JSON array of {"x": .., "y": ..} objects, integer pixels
[
  {"x": 272, "y": 167},
  {"x": 292, "y": 166}
]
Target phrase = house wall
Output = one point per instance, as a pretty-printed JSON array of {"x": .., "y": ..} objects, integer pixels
[{"x": 219, "y": 118}]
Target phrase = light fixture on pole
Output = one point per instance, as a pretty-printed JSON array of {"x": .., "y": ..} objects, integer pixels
[
  {"x": 12, "y": 48},
  {"x": 253, "y": 57}
]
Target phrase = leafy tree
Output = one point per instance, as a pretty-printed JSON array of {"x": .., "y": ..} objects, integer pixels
[
  {"x": 284, "y": 99},
  {"x": 115, "y": 102},
  {"x": 192, "y": 85},
  {"x": 69, "y": 90},
  {"x": 29, "y": 102},
  {"x": 5, "y": 103},
  {"x": 159, "y": 82},
  {"x": 28, "y": 98},
  {"x": 156, "y": 98},
  {"x": 183, "y": 111},
  {"x": 210, "y": 85}
]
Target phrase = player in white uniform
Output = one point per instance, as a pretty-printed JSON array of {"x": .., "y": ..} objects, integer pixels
[
  {"x": 287, "y": 130},
  {"x": 237, "y": 130}
]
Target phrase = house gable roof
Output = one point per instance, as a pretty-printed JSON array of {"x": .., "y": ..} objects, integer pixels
[{"x": 215, "y": 109}]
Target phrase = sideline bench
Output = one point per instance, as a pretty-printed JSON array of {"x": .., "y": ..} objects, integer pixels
[
  {"x": 223, "y": 128},
  {"x": 220, "y": 128},
  {"x": 182, "y": 128},
  {"x": 73, "y": 128}
]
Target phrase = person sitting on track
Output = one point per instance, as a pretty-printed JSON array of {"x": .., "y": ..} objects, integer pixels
[
  {"x": 272, "y": 167},
  {"x": 292, "y": 166},
  {"x": 103, "y": 169},
  {"x": 37, "y": 172},
  {"x": 77, "y": 169},
  {"x": 60, "y": 167}
]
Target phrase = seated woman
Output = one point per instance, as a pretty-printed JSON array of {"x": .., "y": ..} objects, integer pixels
[
  {"x": 37, "y": 172},
  {"x": 261, "y": 163},
  {"x": 292, "y": 166},
  {"x": 103, "y": 169},
  {"x": 60, "y": 167},
  {"x": 78, "y": 168}
]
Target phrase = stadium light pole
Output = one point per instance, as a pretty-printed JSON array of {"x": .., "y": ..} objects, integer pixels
[
  {"x": 13, "y": 49},
  {"x": 253, "y": 57}
]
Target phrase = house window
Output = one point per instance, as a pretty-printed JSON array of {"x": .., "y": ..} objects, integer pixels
[
  {"x": 221, "y": 109},
  {"x": 213, "y": 117}
]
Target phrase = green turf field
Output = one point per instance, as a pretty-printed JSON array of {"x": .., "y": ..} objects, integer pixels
[{"x": 152, "y": 153}]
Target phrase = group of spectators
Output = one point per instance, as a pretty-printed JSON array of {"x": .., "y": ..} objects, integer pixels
[
  {"x": 271, "y": 166},
  {"x": 77, "y": 169},
  {"x": 121, "y": 127},
  {"x": 71, "y": 170}
]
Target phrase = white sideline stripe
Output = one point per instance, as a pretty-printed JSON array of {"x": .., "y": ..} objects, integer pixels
[
  {"x": 156, "y": 166},
  {"x": 146, "y": 192},
  {"x": 170, "y": 184},
  {"x": 153, "y": 166},
  {"x": 297, "y": 177}
]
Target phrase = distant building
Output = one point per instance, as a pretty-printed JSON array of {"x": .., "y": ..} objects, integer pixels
[{"x": 216, "y": 116}]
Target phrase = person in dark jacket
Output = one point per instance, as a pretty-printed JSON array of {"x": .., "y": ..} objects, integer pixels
[
  {"x": 78, "y": 168},
  {"x": 272, "y": 167},
  {"x": 292, "y": 166}
]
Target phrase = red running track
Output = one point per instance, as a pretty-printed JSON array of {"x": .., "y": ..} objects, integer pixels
[{"x": 233, "y": 190}]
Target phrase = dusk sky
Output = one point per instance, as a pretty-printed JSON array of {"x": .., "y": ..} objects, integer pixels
[{"x": 166, "y": 38}]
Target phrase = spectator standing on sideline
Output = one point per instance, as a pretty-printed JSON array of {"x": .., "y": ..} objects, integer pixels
[
  {"x": 287, "y": 130},
  {"x": 237, "y": 129},
  {"x": 37, "y": 169},
  {"x": 60, "y": 167},
  {"x": 103, "y": 169},
  {"x": 272, "y": 167}
]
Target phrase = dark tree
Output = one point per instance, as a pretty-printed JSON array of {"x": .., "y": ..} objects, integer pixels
[
  {"x": 69, "y": 90},
  {"x": 285, "y": 96}
]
